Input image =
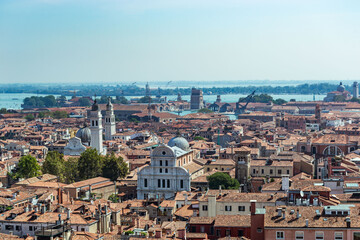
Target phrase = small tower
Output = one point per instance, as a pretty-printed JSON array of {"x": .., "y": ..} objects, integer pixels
[
  {"x": 96, "y": 128},
  {"x": 147, "y": 90},
  {"x": 179, "y": 99},
  {"x": 159, "y": 93},
  {"x": 242, "y": 160},
  {"x": 218, "y": 99},
  {"x": 317, "y": 112},
  {"x": 356, "y": 90},
  {"x": 109, "y": 121}
]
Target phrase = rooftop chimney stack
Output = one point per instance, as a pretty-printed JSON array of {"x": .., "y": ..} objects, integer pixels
[{"x": 253, "y": 207}]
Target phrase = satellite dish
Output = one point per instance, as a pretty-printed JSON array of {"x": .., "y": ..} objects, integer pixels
[{"x": 301, "y": 193}]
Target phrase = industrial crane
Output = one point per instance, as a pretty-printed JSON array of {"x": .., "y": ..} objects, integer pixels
[{"x": 241, "y": 108}]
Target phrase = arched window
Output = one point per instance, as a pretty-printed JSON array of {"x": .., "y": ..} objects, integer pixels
[{"x": 303, "y": 149}]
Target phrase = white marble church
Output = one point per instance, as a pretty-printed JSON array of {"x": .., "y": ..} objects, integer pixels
[{"x": 164, "y": 177}]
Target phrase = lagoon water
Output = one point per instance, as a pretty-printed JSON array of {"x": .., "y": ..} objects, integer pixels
[{"x": 14, "y": 100}]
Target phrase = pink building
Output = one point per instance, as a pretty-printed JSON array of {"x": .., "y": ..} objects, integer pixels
[{"x": 307, "y": 222}]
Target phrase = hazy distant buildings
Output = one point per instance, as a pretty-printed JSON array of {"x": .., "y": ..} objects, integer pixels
[
  {"x": 356, "y": 90},
  {"x": 197, "y": 101},
  {"x": 339, "y": 95}
]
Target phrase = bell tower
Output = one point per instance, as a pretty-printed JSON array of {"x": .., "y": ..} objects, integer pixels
[
  {"x": 109, "y": 121},
  {"x": 96, "y": 128},
  {"x": 242, "y": 160}
]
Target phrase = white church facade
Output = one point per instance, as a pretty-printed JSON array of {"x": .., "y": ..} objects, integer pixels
[{"x": 164, "y": 176}]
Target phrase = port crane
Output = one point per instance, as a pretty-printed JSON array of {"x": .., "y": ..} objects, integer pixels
[{"x": 241, "y": 108}]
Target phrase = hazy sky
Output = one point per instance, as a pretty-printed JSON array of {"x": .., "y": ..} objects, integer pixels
[{"x": 99, "y": 41}]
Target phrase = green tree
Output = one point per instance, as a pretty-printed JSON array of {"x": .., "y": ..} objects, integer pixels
[
  {"x": 122, "y": 100},
  {"x": 54, "y": 164},
  {"x": 84, "y": 102},
  {"x": 113, "y": 198},
  {"x": 204, "y": 110},
  {"x": 222, "y": 179},
  {"x": 145, "y": 99},
  {"x": 3, "y": 110},
  {"x": 280, "y": 101},
  {"x": 28, "y": 167},
  {"x": 199, "y": 138},
  {"x": 59, "y": 114},
  {"x": 71, "y": 173},
  {"x": 89, "y": 164},
  {"x": 114, "y": 167},
  {"x": 49, "y": 101},
  {"x": 61, "y": 100},
  {"x": 339, "y": 98},
  {"x": 29, "y": 117}
]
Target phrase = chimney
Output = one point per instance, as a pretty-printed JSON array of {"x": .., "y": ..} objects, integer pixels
[
  {"x": 285, "y": 183},
  {"x": 26, "y": 209},
  {"x": 158, "y": 233},
  {"x": 298, "y": 215},
  {"x": 253, "y": 207},
  {"x": 68, "y": 213},
  {"x": 186, "y": 199},
  {"x": 306, "y": 222},
  {"x": 348, "y": 222},
  {"x": 283, "y": 213},
  {"x": 181, "y": 233},
  {"x": 279, "y": 212},
  {"x": 220, "y": 191},
  {"x": 239, "y": 189}
]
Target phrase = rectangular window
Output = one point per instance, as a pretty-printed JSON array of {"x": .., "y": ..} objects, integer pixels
[
  {"x": 279, "y": 171},
  {"x": 218, "y": 232},
  {"x": 160, "y": 170},
  {"x": 356, "y": 236},
  {"x": 193, "y": 229},
  {"x": 163, "y": 183},
  {"x": 271, "y": 171},
  {"x": 241, "y": 208},
  {"x": 287, "y": 171},
  {"x": 159, "y": 183},
  {"x": 319, "y": 235},
  {"x": 204, "y": 207},
  {"x": 181, "y": 183},
  {"x": 168, "y": 183},
  {"x": 145, "y": 182},
  {"x": 228, "y": 232},
  {"x": 160, "y": 162},
  {"x": 240, "y": 233},
  {"x": 299, "y": 235},
  {"x": 228, "y": 208},
  {"x": 166, "y": 163},
  {"x": 30, "y": 228},
  {"x": 9, "y": 227},
  {"x": 338, "y": 236},
  {"x": 254, "y": 171},
  {"x": 202, "y": 229},
  {"x": 18, "y": 228},
  {"x": 262, "y": 171},
  {"x": 280, "y": 235}
]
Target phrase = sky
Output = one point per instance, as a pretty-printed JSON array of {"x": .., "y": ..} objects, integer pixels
[{"x": 126, "y": 41}]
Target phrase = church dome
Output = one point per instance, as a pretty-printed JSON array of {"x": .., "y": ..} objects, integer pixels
[
  {"x": 341, "y": 87},
  {"x": 84, "y": 134},
  {"x": 179, "y": 142}
]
